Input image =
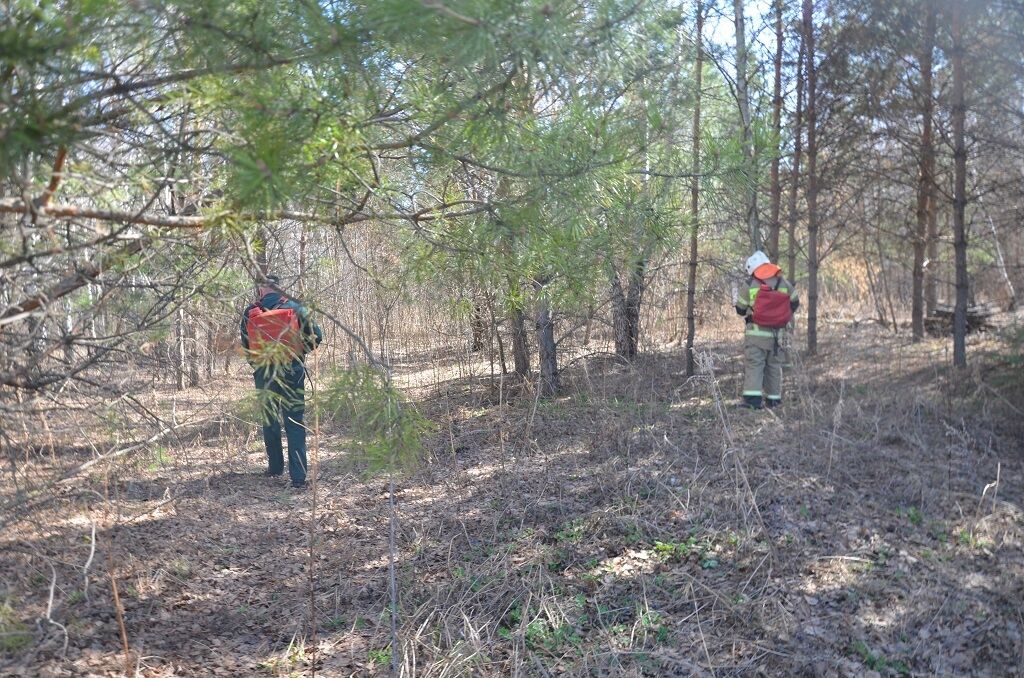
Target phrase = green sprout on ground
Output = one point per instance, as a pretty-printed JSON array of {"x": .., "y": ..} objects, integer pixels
[
  {"x": 381, "y": 657},
  {"x": 14, "y": 635},
  {"x": 677, "y": 551},
  {"x": 913, "y": 514},
  {"x": 877, "y": 662},
  {"x": 335, "y": 623},
  {"x": 572, "y": 531}
]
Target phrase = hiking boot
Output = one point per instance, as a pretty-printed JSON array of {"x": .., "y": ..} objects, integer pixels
[
  {"x": 299, "y": 485},
  {"x": 752, "y": 402},
  {"x": 773, "y": 402},
  {"x": 270, "y": 474}
]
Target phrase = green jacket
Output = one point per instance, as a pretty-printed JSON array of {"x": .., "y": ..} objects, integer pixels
[{"x": 745, "y": 303}]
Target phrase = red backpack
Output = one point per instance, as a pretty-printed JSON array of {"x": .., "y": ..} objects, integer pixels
[
  {"x": 771, "y": 307},
  {"x": 274, "y": 335}
]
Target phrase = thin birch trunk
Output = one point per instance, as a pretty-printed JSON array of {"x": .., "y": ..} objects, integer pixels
[
  {"x": 795, "y": 170},
  {"x": 925, "y": 178},
  {"x": 691, "y": 283},
  {"x": 743, "y": 98},
  {"x": 812, "y": 180},
  {"x": 959, "y": 114},
  {"x": 776, "y": 187}
]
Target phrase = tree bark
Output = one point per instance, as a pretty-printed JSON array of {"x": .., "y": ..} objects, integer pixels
[
  {"x": 520, "y": 344},
  {"x": 302, "y": 259},
  {"x": 620, "y": 322},
  {"x": 192, "y": 351},
  {"x": 210, "y": 350},
  {"x": 1003, "y": 270},
  {"x": 546, "y": 347},
  {"x": 925, "y": 176},
  {"x": 959, "y": 114},
  {"x": 478, "y": 327},
  {"x": 775, "y": 186},
  {"x": 626, "y": 308},
  {"x": 263, "y": 253},
  {"x": 496, "y": 333},
  {"x": 179, "y": 352},
  {"x": 691, "y": 281},
  {"x": 931, "y": 271},
  {"x": 812, "y": 180},
  {"x": 743, "y": 98},
  {"x": 795, "y": 169}
]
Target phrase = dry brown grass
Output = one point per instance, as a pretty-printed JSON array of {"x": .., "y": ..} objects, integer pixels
[{"x": 639, "y": 524}]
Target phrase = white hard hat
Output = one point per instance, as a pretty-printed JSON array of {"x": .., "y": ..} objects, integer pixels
[{"x": 756, "y": 259}]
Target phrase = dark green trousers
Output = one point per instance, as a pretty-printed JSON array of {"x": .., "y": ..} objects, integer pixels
[{"x": 282, "y": 396}]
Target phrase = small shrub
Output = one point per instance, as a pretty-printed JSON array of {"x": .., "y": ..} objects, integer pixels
[
  {"x": 878, "y": 663},
  {"x": 380, "y": 657},
  {"x": 572, "y": 531},
  {"x": 14, "y": 635},
  {"x": 913, "y": 514},
  {"x": 335, "y": 623}
]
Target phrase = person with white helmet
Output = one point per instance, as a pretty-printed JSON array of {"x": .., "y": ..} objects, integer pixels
[{"x": 767, "y": 306}]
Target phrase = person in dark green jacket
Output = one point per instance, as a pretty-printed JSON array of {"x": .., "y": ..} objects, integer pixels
[
  {"x": 280, "y": 385},
  {"x": 762, "y": 382}
]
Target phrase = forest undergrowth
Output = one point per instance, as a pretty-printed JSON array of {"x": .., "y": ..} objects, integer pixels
[{"x": 638, "y": 524}]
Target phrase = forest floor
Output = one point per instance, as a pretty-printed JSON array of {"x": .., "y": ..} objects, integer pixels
[{"x": 639, "y": 524}]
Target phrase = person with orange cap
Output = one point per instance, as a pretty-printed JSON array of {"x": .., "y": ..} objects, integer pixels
[{"x": 767, "y": 306}]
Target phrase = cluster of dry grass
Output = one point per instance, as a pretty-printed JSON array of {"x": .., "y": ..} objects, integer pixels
[{"x": 640, "y": 524}]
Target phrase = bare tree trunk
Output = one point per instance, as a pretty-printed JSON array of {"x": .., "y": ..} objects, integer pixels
[
  {"x": 210, "y": 346},
  {"x": 546, "y": 348},
  {"x": 776, "y": 187},
  {"x": 478, "y": 326},
  {"x": 634, "y": 300},
  {"x": 691, "y": 281},
  {"x": 925, "y": 178},
  {"x": 93, "y": 296},
  {"x": 302, "y": 260},
  {"x": 180, "y": 357},
  {"x": 589, "y": 326},
  {"x": 520, "y": 344},
  {"x": 1003, "y": 271},
  {"x": 263, "y": 253},
  {"x": 876, "y": 295},
  {"x": 795, "y": 169},
  {"x": 193, "y": 351},
  {"x": 743, "y": 97},
  {"x": 812, "y": 180},
  {"x": 626, "y": 308},
  {"x": 69, "y": 328},
  {"x": 959, "y": 114},
  {"x": 620, "y": 313},
  {"x": 497, "y": 334},
  {"x": 931, "y": 271},
  {"x": 885, "y": 283}
]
